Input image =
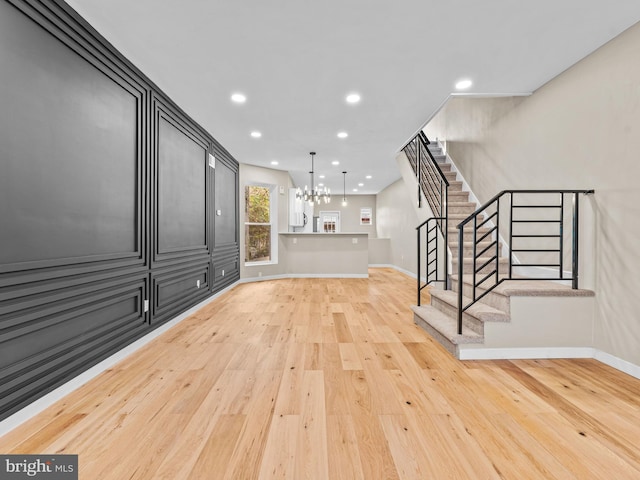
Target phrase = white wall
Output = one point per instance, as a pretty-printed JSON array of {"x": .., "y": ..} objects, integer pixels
[
  {"x": 350, "y": 215},
  {"x": 581, "y": 130},
  {"x": 397, "y": 220}
]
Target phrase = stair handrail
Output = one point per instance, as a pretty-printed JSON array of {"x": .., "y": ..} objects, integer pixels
[
  {"x": 494, "y": 227},
  {"x": 433, "y": 184},
  {"x": 421, "y": 140},
  {"x": 426, "y": 142}
]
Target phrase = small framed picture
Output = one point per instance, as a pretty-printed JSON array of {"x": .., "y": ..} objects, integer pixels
[{"x": 366, "y": 216}]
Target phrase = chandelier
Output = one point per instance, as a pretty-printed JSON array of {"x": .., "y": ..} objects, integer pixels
[{"x": 314, "y": 194}]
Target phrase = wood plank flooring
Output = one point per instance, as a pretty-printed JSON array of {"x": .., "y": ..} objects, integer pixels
[{"x": 330, "y": 378}]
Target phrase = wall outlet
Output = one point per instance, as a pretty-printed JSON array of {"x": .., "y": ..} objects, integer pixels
[
  {"x": 146, "y": 305},
  {"x": 223, "y": 273},
  {"x": 354, "y": 240},
  {"x": 259, "y": 274},
  {"x": 295, "y": 240},
  {"x": 198, "y": 283}
]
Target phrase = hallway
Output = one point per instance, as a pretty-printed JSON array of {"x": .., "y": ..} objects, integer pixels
[{"x": 330, "y": 378}]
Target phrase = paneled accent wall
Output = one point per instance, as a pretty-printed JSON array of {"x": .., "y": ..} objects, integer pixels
[{"x": 108, "y": 202}]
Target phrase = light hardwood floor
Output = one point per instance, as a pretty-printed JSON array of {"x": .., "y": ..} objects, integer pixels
[{"x": 330, "y": 378}]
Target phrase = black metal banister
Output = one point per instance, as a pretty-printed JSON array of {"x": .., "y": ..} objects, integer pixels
[
  {"x": 431, "y": 275},
  {"x": 479, "y": 263},
  {"x": 485, "y": 205},
  {"x": 434, "y": 186},
  {"x": 426, "y": 142}
]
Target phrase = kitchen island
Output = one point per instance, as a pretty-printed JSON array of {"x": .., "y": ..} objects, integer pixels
[{"x": 326, "y": 254}]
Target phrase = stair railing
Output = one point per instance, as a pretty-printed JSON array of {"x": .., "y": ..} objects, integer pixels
[
  {"x": 433, "y": 184},
  {"x": 536, "y": 223},
  {"x": 435, "y": 247}
]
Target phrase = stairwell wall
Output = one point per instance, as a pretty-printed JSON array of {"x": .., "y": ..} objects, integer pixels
[
  {"x": 398, "y": 215},
  {"x": 580, "y": 130}
]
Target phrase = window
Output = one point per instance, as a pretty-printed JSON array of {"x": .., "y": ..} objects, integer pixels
[
  {"x": 330, "y": 222},
  {"x": 258, "y": 229}
]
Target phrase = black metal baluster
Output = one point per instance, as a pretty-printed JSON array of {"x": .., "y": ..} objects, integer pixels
[
  {"x": 576, "y": 208},
  {"x": 419, "y": 287},
  {"x": 510, "y": 246},
  {"x": 561, "y": 275},
  {"x": 498, "y": 241},
  {"x": 460, "y": 284}
]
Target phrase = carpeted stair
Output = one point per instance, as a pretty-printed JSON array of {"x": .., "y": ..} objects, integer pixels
[{"x": 440, "y": 317}]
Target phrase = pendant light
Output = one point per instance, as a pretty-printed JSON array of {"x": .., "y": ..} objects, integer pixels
[
  {"x": 313, "y": 194},
  {"x": 344, "y": 189}
]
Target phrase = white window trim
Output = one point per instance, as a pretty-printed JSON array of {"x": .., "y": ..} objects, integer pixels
[{"x": 273, "y": 216}]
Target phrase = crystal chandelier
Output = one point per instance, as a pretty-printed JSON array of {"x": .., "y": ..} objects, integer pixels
[{"x": 314, "y": 194}]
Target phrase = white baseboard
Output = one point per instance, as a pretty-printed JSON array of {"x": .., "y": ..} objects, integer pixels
[
  {"x": 549, "y": 353},
  {"x": 617, "y": 363},
  {"x": 525, "y": 353},
  {"x": 304, "y": 275},
  {"x": 264, "y": 278}
]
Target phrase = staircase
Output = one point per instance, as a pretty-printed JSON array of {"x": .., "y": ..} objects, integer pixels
[{"x": 441, "y": 318}]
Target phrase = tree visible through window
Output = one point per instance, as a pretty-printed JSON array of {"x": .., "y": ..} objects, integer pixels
[{"x": 257, "y": 223}]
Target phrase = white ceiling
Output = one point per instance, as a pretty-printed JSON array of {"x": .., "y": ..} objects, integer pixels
[{"x": 296, "y": 60}]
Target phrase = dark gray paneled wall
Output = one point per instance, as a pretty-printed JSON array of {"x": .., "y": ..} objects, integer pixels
[{"x": 107, "y": 200}]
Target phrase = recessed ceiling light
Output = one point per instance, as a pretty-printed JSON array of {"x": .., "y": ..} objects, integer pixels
[
  {"x": 256, "y": 134},
  {"x": 274, "y": 162},
  {"x": 343, "y": 134},
  {"x": 321, "y": 184},
  {"x": 368, "y": 177},
  {"x": 353, "y": 98},
  {"x": 320, "y": 176},
  {"x": 335, "y": 162},
  {"x": 361, "y": 184},
  {"x": 463, "y": 84},
  {"x": 355, "y": 189},
  {"x": 238, "y": 98}
]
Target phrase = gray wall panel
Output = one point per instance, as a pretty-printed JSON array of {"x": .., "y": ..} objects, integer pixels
[
  {"x": 66, "y": 338},
  {"x": 93, "y": 317},
  {"x": 226, "y": 195},
  {"x": 182, "y": 168},
  {"x": 176, "y": 289},
  {"x": 69, "y": 141},
  {"x": 106, "y": 201}
]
